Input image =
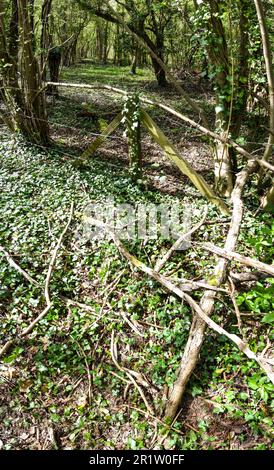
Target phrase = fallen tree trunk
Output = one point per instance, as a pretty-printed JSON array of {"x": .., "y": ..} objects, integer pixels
[{"x": 197, "y": 332}]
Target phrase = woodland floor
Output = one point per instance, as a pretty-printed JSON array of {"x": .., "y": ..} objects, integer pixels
[{"x": 60, "y": 388}]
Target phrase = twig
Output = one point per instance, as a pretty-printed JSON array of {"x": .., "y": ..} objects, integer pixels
[
  {"x": 79, "y": 305},
  {"x": 105, "y": 301},
  {"x": 235, "y": 305},
  {"x": 113, "y": 350},
  {"x": 184, "y": 237},
  {"x": 233, "y": 256},
  {"x": 196, "y": 307},
  {"x": 162, "y": 422},
  {"x": 14, "y": 265},
  {"x": 131, "y": 324},
  {"x": 263, "y": 363},
  {"x": 158, "y": 327},
  {"x": 120, "y": 377},
  {"x": 189, "y": 285},
  {"x": 87, "y": 368},
  {"x": 30, "y": 327}
]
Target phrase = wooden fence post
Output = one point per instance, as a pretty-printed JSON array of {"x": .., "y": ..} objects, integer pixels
[{"x": 131, "y": 119}]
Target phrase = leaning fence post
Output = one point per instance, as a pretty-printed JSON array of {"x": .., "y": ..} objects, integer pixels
[{"x": 131, "y": 120}]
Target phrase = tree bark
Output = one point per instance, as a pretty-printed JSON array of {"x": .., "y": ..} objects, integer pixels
[
  {"x": 45, "y": 40},
  {"x": 24, "y": 100},
  {"x": 269, "y": 72},
  {"x": 218, "y": 54},
  {"x": 268, "y": 201}
]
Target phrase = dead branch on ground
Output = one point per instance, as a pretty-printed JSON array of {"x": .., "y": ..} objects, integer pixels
[{"x": 31, "y": 326}]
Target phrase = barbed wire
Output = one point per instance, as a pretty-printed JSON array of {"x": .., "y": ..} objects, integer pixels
[
  {"x": 52, "y": 149},
  {"x": 96, "y": 87},
  {"x": 95, "y": 134}
]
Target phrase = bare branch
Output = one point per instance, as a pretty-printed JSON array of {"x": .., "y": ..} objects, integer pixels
[
  {"x": 16, "y": 266},
  {"x": 184, "y": 237},
  {"x": 30, "y": 327},
  {"x": 233, "y": 256},
  {"x": 114, "y": 355},
  {"x": 195, "y": 307}
]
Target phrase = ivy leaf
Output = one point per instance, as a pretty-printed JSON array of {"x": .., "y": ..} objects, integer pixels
[
  {"x": 268, "y": 318},
  {"x": 218, "y": 109}
]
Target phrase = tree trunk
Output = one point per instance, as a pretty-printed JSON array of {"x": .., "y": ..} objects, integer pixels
[
  {"x": 270, "y": 77},
  {"x": 54, "y": 60},
  {"x": 159, "y": 49},
  {"x": 131, "y": 114},
  {"x": 219, "y": 58},
  {"x": 105, "y": 48},
  {"x": 45, "y": 40},
  {"x": 159, "y": 73},
  {"x": 25, "y": 102}
]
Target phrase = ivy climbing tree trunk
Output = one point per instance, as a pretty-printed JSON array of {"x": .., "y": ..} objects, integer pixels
[
  {"x": 218, "y": 54},
  {"x": 228, "y": 61},
  {"x": 23, "y": 99},
  {"x": 131, "y": 119},
  {"x": 45, "y": 39},
  {"x": 269, "y": 72}
]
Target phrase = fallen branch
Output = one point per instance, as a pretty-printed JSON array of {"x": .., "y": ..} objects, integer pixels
[
  {"x": 101, "y": 138},
  {"x": 184, "y": 237},
  {"x": 197, "y": 332},
  {"x": 30, "y": 327},
  {"x": 16, "y": 266},
  {"x": 233, "y": 256},
  {"x": 198, "y": 310},
  {"x": 49, "y": 274},
  {"x": 114, "y": 355},
  {"x": 196, "y": 307}
]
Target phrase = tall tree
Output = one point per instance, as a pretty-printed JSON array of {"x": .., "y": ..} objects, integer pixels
[
  {"x": 269, "y": 72},
  {"x": 228, "y": 56},
  {"x": 24, "y": 98},
  {"x": 148, "y": 19}
]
